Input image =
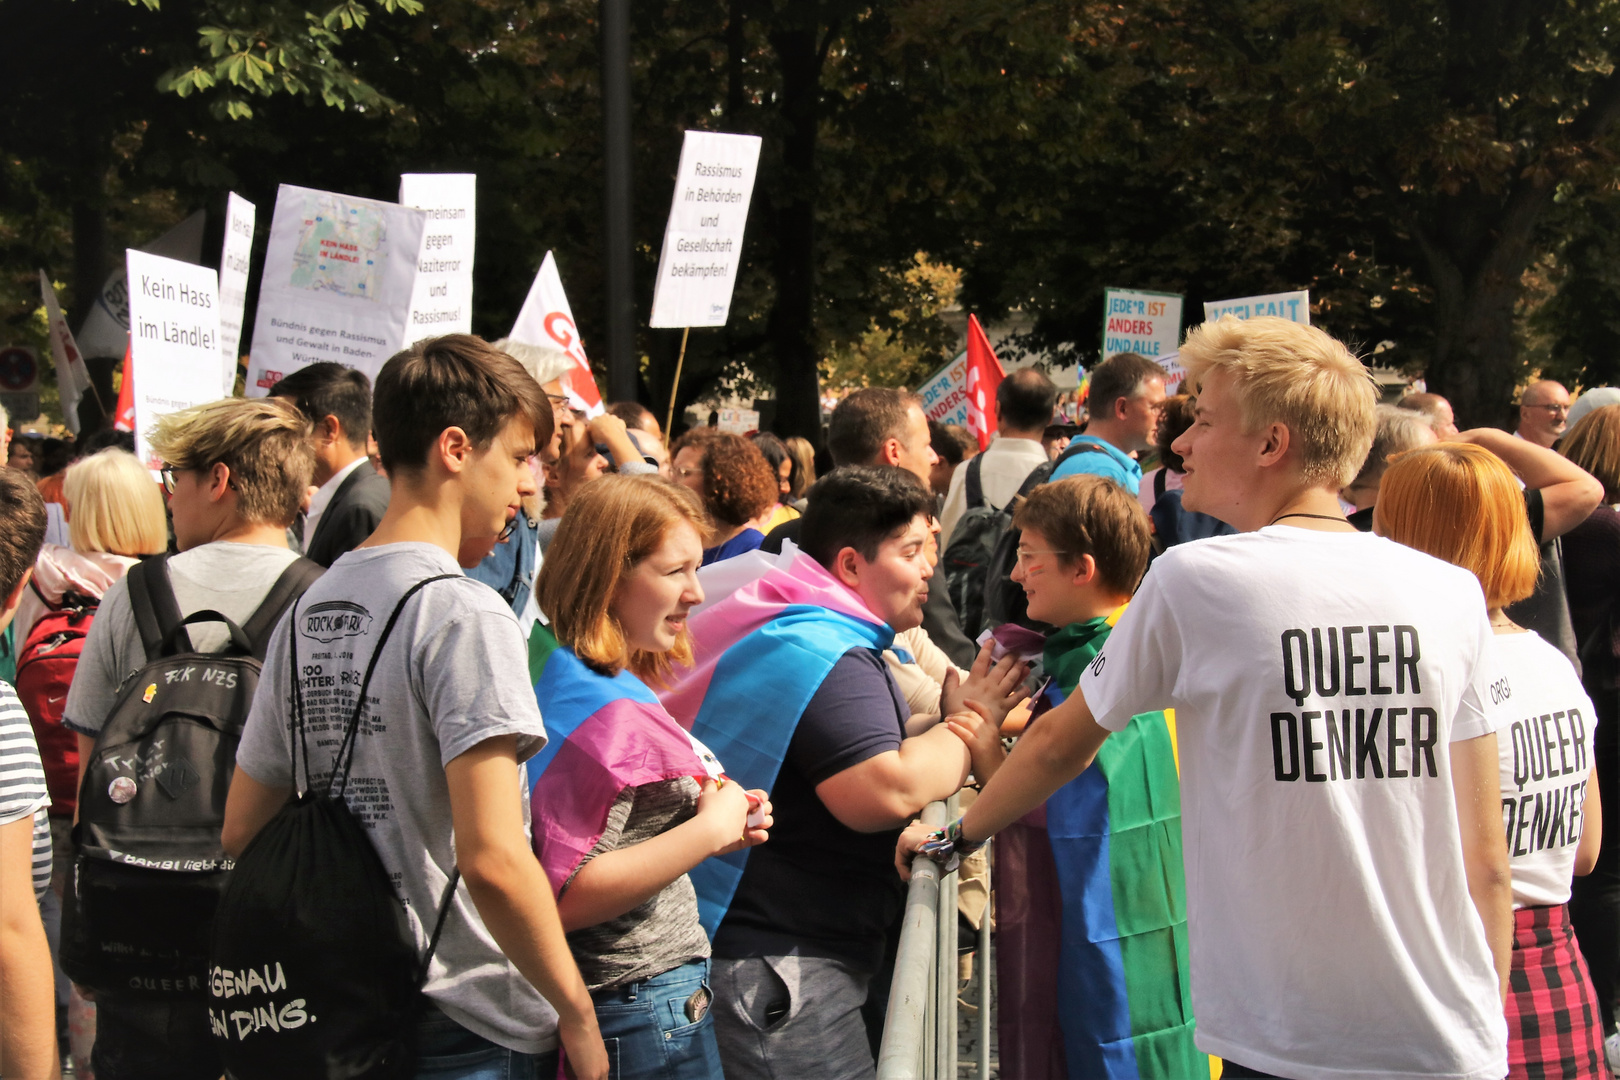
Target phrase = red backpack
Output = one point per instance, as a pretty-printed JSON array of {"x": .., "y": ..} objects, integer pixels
[{"x": 45, "y": 667}]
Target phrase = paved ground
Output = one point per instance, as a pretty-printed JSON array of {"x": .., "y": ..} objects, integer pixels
[{"x": 967, "y": 1033}]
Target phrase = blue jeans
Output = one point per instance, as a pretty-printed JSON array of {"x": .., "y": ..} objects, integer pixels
[
  {"x": 447, "y": 1051},
  {"x": 648, "y": 1030}
]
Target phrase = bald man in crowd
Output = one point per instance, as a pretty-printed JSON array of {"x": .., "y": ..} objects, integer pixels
[{"x": 1543, "y": 413}]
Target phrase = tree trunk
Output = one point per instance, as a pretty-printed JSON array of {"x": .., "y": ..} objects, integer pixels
[{"x": 791, "y": 326}]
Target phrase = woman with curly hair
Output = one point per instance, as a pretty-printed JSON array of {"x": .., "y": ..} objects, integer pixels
[{"x": 739, "y": 485}]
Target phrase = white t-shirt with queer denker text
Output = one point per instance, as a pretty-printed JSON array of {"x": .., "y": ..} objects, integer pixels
[
  {"x": 1545, "y": 746},
  {"x": 1318, "y": 679},
  {"x": 453, "y": 674}
]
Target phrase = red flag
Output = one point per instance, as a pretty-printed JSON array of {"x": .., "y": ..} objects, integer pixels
[
  {"x": 124, "y": 418},
  {"x": 984, "y": 375}
]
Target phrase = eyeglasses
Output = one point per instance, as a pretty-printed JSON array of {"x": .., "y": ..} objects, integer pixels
[
  {"x": 1549, "y": 407},
  {"x": 686, "y": 470},
  {"x": 506, "y": 533},
  {"x": 1024, "y": 555},
  {"x": 167, "y": 473}
]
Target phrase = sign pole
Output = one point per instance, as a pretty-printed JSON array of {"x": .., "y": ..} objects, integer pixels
[{"x": 674, "y": 387}]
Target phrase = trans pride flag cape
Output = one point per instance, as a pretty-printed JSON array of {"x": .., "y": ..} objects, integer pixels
[
  {"x": 605, "y": 735},
  {"x": 759, "y": 656},
  {"x": 1123, "y": 1003}
]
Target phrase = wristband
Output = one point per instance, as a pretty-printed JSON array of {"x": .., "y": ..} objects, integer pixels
[{"x": 948, "y": 846}]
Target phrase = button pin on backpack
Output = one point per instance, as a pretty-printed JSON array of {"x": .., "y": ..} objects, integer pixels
[
  {"x": 151, "y": 692},
  {"x": 121, "y": 790}
]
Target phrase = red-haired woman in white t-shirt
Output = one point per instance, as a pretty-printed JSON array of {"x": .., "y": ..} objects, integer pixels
[{"x": 1460, "y": 503}]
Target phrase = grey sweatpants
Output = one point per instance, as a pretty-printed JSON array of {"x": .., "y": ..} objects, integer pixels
[{"x": 820, "y": 1034}]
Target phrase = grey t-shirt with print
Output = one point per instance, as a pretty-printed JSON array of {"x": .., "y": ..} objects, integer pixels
[
  {"x": 230, "y": 578},
  {"x": 453, "y": 674},
  {"x": 661, "y": 933}
]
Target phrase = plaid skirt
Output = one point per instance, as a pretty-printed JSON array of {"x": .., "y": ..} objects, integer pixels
[{"x": 1552, "y": 1013}]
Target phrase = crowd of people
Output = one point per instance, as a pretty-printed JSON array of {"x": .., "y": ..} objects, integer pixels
[{"x": 434, "y": 727}]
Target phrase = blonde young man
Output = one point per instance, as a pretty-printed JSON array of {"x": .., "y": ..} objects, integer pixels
[{"x": 1349, "y": 908}]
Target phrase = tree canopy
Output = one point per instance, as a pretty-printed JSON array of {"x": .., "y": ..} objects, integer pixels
[{"x": 1441, "y": 174}]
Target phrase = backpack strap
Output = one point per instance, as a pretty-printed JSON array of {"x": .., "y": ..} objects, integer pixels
[
  {"x": 1039, "y": 475},
  {"x": 974, "y": 482},
  {"x": 438, "y": 927},
  {"x": 157, "y": 612},
  {"x": 299, "y": 575},
  {"x": 1160, "y": 478}
]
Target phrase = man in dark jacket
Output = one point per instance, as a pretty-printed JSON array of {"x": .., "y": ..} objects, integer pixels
[{"x": 350, "y": 495}]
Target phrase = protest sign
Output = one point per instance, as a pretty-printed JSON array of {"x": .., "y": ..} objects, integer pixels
[
  {"x": 174, "y": 339},
  {"x": 546, "y": 320},
  {"x": 1293, "y": 306},
  {"x": 72, "y": 375},
  {"x": 441, "y": 302},
  {"x": 337, "y": 284},
  {"x": 703, "y": 239},
  {"x": 1174, "y": 373},
  {"x": 1141, "y": 322},
  {"x": 233, "y": 283},
  {"x": 106, "y": 329},
  {"x": 944, "y": 395},
  {"x": 738, "y": 421}
]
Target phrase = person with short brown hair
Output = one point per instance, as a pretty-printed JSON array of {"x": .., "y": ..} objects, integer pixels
[
  {"x": 1126, "y": 398},
  {"x": 1083, "y": 547},
  {"x": 454, "y": 714}
]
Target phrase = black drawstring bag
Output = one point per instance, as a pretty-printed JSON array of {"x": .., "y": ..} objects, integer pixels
[{"x": 314, "y": 971}]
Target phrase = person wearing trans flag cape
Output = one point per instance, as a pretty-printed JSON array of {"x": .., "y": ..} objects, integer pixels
[
  {"x": 624, "y": 802},
  {"x": 788, "y": 687}
]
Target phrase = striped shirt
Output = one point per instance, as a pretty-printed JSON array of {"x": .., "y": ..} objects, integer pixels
[{"x": 22, "y": 782}]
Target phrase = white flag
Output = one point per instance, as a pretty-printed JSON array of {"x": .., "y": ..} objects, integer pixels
[
  {"x": 72, "y": 377},
  {"x": 546, "y": 320}
]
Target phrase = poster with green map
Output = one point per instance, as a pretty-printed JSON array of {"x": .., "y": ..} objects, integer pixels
[{"x": 338, "y": 279}]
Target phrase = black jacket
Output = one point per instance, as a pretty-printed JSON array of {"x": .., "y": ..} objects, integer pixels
[{"x": 352, "y": 515}]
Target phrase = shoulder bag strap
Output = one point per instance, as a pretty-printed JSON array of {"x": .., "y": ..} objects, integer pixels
[
  {"x": 1160, "y": 478},
  {"x": 157, "y": 612},
  {"x": 344, "y": 760},
  {"x": 975, "y": 484},
  {"x": 299, "y": 575}
]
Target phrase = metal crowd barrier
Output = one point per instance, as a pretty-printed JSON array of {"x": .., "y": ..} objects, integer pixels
[{"x": 919, "y": 1030}]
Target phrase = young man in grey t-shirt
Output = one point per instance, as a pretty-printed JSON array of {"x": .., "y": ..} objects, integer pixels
[
  {"x": 235, "y": 471},
  {"x": 435, "y": 777}
]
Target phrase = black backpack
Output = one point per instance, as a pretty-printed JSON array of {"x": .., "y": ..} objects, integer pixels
[
  {"x": 147, "y": 865},
  {"x": 314, "y": 971},
  {"x": 973, "y": 557}
]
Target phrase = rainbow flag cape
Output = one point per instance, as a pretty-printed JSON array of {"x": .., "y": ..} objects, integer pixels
[
  {"x": 605, "y": 735},
  {"x": 759, "y": 656},
  {"x": 1124, "y": 1004}
]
